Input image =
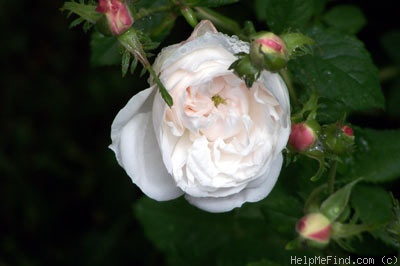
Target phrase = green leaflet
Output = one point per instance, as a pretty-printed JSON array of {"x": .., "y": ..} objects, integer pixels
[
  {"x": 346, "y": 18},
  {"x": 377, "y": 156},
  {"x": 373, "y": 205},
  {"x": 283, "y": 15},
  {"x": 341, "y": 70},
  {"x": 255, "y": 232}
]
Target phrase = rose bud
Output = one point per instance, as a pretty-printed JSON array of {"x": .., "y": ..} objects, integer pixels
[
  {"x": 189, "y": 15},
  {"x": 268, "y": 51},
  {"x": 303, "y": 135},
  {"x": 117, "y": 14},
  {"x": 338, "y": 139},
  {"x": 316, "y": 228},
  {"x": 348, "y": 131}
]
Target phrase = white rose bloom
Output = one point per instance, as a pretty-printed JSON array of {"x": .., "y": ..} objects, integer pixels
[{"x": 220, "y": 143}]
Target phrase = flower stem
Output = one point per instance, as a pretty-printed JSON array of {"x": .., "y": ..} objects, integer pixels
[
  {"x": 331, "y": 176},
  {"x": 131, "y": 42},
  {"x": 292, "y": 93}
]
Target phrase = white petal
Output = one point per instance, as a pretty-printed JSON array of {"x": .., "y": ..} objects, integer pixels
[
  {"x": 140, "y": 103},
  {"x": 141, "y": 159},
  {"x": 260, "y": 188},
  {"x": 136, "y": 149},
  {"x": 202, "y": 28},
  {"x": 274, "y": 83},
  {"x": 257, "y": 190}
]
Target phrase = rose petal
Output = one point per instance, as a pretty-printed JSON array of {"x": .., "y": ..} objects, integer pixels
[
  {"x": 141, "y": 159},
  {"x": 207, "y": 42},
  {"x": 136, "y": 149},
  {"x": 255, "y": 191},
  {"x": 140, "y": 103},
  {"x": 274, "y": 83}
]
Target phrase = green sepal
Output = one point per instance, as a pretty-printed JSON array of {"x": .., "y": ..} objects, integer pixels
[
  {"x": 87, "y": 12},
  {"x": 248, "y": 28},
  {"x": 163, "y": 91},
  {"x": 133, "y": 65},
  {"x": 126, "y": 59},
  {"x": 333, "y": 206},
  {"x": 297, "y": 44},
  {"x": 245, "y": 70}
]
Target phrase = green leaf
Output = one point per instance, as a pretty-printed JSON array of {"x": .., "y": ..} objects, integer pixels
[
  {"x": 189, "y": 236},
  {"x": 377, "y": 156},
  {"x": 373, "y": 205},
  {"x": 282, "y": 15},
  {"x": 346, "y": 18},
  {"x": 209, "y": 3},
  {"x": 126, "y": 60},
  {"x": 368, "y": 246},
  {"x": 341, "y": 70},
  {"x": 333, "y": 206},
  {"x": 281, "y": 211},
  {"x": 297, "y": 44},
  {"x": 105, "y": 50},
  {"x": 158, "y": 24}
]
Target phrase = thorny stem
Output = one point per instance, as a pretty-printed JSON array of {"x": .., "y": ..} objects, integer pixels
[{"x": 131, "y": 42}]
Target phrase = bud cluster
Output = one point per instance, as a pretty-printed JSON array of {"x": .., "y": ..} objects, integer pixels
[{"x": 333, "y": 138}]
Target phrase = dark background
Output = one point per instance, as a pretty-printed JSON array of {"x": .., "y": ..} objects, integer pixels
[{"x": 63, "y": 198}]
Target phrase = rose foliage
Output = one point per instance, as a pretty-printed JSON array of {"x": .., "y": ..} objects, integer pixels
[{"x": 214, "y": 127}]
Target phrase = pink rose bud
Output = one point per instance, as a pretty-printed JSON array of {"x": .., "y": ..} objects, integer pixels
[
  {"x": 268, "y": 51},
  {"x": 338, "y": 139},
  {"x": 303, "y": 136},
  {"x": 118, "y": 15},
  {"x": 315, "y": 227},
  {"x": 348, "y": 131}
]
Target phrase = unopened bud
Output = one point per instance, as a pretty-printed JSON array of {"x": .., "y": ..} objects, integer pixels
[
  {"x": 303, "y": 135},
  {"x": 117, "y": 14},
  {"x": 348, "y": 131},
  {"x": 189, "y": 15},
  {"x": 338, "y": 139},
  {"x": 315, "y": 227},
  {"x": 268, "y": 51}
]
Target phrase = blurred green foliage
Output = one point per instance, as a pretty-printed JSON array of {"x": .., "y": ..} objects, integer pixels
[{"x": 63, "y": 198}]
